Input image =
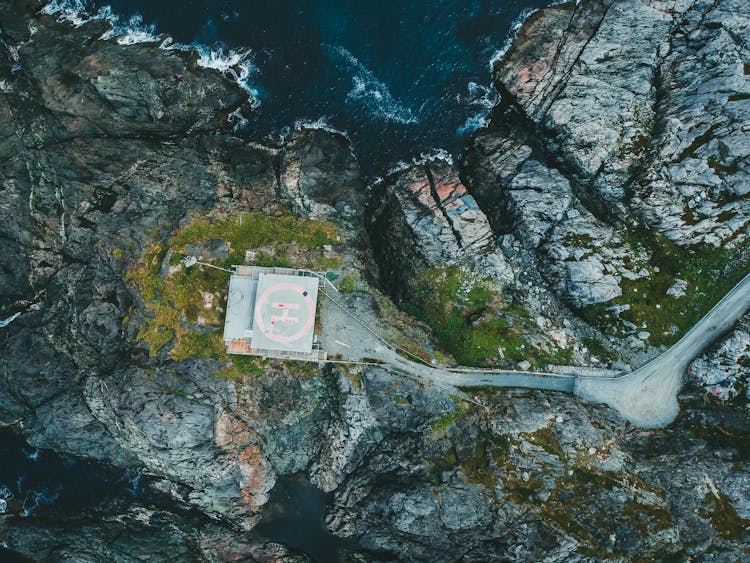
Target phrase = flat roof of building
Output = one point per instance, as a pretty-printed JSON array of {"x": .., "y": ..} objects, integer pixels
[
  {"x": 240, "y": 305},
  {"x": 271, "y": 311},
  {"x": 284, "y": 317}
]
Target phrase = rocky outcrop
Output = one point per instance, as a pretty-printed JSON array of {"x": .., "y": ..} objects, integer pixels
[
  {"x": 593, "y": 91},
  {"x": 135, "y": 533},
  {"x": 724, "y": 372},
  {"x": 581, "y": 258},
  {"x": 630, "y": 87},
  {"x": 319, "y": 175},
  {"x": 421, "y": 216},
  {"x": 697, "y": 185}
]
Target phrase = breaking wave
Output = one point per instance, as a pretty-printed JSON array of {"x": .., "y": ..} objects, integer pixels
[
  {"x": 482, "y": 99},
  {"x": 5, "y": 322},
  {"x": 515, "y": 27},
  {"x": 235, "y": 64},
  {"x": 370, "y": 93}
]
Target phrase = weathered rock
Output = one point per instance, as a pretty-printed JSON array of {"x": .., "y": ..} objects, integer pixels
[
  {"x": 422, "y": 216},
  {"x": 724, "y": 372},
  {"x": 106, "y": 146},
  {"x": 596, "y": 89},
  {"x": 319, "y": 174},
  {"x": 582, "y": 258},
  {"x": 698, "y": 180}
]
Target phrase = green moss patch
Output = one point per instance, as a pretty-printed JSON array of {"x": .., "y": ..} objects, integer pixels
[
  {"x": 545, "y": 438},
  {"x": 710, "y": 273},
  {"x": 185, "y": 307},
  {"x": 724, "y": 517},
  {"x": 471, "y": 321}
]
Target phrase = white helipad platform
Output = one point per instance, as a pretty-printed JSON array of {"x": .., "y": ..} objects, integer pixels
[
  {"x": 285, "y": 313},
  {"x": 271, "y": 312}
]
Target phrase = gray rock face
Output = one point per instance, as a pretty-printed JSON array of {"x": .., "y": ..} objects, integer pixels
[
  {"x": 582, "y": 258},
  {"x": 137, "y": 533},
  {"x": 421, "y": 217},
  {"x": 724, "y": 372},
  {"x": 697, "y": 184},
  {"x": 319, "y": 174},
  {"x": 628, "y": 87},
  {"x": 592, "y": 91}
]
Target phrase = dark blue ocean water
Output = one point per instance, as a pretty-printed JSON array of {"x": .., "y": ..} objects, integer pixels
[{"x": 401, "y": 78}]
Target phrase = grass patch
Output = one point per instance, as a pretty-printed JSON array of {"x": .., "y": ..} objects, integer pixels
[
  {"x": 186, "y": 307},
  {"x": 725, "y": 438},
  {"x": 545, "y": 438},
  {"x": 239, "y": 367},
  {"x": 477, "y": 468},
  {"x": 442, "y": 424},
  {"x": 598, "y": 349},
  {"x": 252, "y": 230},
  {"x": 348, "y": 283},
  {"x": 724, "y": 517},
  {"x": 471, "y": 321},
  {"x": 710, "y": 273}
]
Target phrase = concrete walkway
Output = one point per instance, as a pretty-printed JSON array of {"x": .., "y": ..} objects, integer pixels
[{"x": 647, "y": 397}]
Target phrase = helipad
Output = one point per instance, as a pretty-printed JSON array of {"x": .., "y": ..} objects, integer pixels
[{"x": 271, "y": 312}]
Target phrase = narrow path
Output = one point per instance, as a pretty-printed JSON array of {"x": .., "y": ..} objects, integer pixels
[{"x": 647, "y": 397}]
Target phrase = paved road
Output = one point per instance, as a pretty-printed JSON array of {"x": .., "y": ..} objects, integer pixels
[{"x": 647, "y": 397}]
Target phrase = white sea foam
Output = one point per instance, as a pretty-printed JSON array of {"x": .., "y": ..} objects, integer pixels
[
  {"x": 35, "y": 498},
  {"x": 237, "y": 119},
  {"x": 423, "y": 158},
  {"x": 320, "y": 123},
  {"x": 5, "y": 496},
  {"x": 234, "y": 63},
  {"x": 483, "y": 98},
  {"x": 132, "y": 31},
  {"x": 372, "y": 94},
  {"x": 73, "y": 11},
  {"x": 5, "y": 322},
  {"x": 515, "y": 27}
]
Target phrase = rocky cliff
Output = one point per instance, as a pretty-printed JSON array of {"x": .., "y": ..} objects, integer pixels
[{"x": 595, "y": 218}]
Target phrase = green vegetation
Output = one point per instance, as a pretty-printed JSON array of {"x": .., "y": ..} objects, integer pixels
[
  {"x": 253, "y": 230},
  {"x": 724, "y": 517},
  {"x": 471, "y": 321},
  {"x": 442, "y": 424},
  {"x": 545, "y": 438},
  {"x": 640, "y": 142},
  {"x": 710, "y": 273},
  {"x": 581, "y": 504},
  {"x": 348, "y": 283},
  {"x": 184, "y": 307},
  {"x": 598, "y": 349},
  {"x": 477, "y": 468},
  {"x": 725, "y": 438}
]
